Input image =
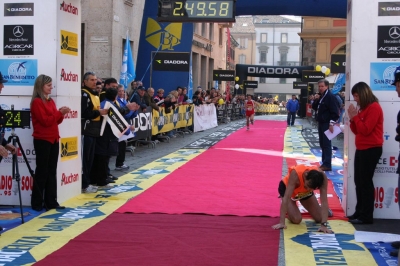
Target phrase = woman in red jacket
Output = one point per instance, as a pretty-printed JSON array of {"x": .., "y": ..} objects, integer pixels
[
  {"x": 366, "y": 122},
  {"x": 45, "y": 120}
]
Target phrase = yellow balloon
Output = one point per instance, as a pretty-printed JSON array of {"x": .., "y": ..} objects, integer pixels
[
  {"x": 236, "y": 78},
  {"x": 327, "y": 72},
  {"x": 220, "y": 101},
  {"x": 318, "y": 68}
]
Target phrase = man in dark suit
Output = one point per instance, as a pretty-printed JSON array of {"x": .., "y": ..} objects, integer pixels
[{"x": 327, "y": 114}]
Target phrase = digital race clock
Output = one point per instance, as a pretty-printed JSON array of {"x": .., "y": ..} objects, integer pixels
[
  {"x": 196, "y": 11},
  {"x": 17, "y": 119}
]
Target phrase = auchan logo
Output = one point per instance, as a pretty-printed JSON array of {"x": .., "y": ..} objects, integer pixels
[
  {"x": 69, "y": 179},
  {"x": 69, "y": 8},
  {"x": 65, "y": 76}
]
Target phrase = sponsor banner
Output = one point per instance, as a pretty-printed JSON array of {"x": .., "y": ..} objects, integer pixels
[
  {"x": 338, "y": 63},
  {"x": 69, "y": 43},
  {"x": 389, "y": 9},
  {"x": 68, "y": 76},
  {"x": 116, "y": 121},
  {"x": 67, "y": 179},
  {"x": 250, "y": 84},
  {"x": 205, "y": 117},
  {"x": 386, "y": 197},
  {"x": 68, "y": 148},
  {"x": 18, "y": 9},
  {"x": 69, "y": 8},
  {"x": 315, "y": 248},
  {"x": 312, "y": 76},
  {"x": 270, "y": 71},
  {"x": 224, "y": 75},
  {"x": 142, "y": 123},
  {"x": 19, "y": 72},
  {"x": 300, "y": 85},
  {"x": 380, "y": 251},
  {"x": 387, "y": 165},
  {"x": 18, "y": 40},
  {"x": 182, "y": 116},
  {"x": 170, "y": 61},
  {"x": 388, "y": 41},
  {"x": 382, "y": 76},
  {"x": 162, "y": 37}
]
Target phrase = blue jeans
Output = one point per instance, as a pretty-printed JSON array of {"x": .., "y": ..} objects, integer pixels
[
  {"x": 325, "y": 144},
  {"x": 291, "y": 116}
]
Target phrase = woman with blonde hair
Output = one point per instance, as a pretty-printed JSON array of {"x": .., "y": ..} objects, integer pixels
[{"x": 45, "y": 121}]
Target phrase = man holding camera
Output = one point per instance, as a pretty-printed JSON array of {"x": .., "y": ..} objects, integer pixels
[{"x": 3, "y": 143}]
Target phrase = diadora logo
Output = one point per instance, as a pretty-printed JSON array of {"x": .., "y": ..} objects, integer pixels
[
  {"x": 165, "y": 39},
  {"x": 69, "y": 8},
  {"x": 65, "y": 76}
]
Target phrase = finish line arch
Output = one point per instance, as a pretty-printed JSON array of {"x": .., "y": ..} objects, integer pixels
[{"x": 243, "y": 71}]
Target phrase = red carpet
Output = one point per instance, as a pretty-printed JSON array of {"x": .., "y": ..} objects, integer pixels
[
  {"x": 221, "y": 181},
  {"x": 160, "y": 239}
]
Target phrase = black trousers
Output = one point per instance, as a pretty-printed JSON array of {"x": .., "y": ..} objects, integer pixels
[
  {"x": 45, "y": 182},
  {"x": 121, "y": 154},
  {"x": 88, "y": 147},
  {"x": 99, "y": 172},
  {"x": 365, "y": 162}
]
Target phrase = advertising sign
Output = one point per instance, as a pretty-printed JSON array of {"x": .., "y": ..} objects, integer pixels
[
  {"x": 382, "y": 76},
  {"x": 388, "y": 42},
  {"x": 69, "y": 43},
  {"x": 338, "y": 63},
  {"x": 250, "y": 84},
  {"x": 224, "y": 75},
  {"x": 18, "y": 40},
  {"x": 167, "y": 61},
  {"x": 312, "y": 76},
  {"x": 19, "y": 72},
  {"x": 389, "y": 9},
  {"x": 300, "y": 85},
  {"x": 18, "y": 9}
]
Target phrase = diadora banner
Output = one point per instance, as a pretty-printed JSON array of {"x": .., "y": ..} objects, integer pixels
[
  {"x": 270, "y": 71},
  {"x": 167, "y": 61},
  {"x": 224, "y": 75},
  {"x": 161, "y": 38},
  {"x": 182, "y": 116}
]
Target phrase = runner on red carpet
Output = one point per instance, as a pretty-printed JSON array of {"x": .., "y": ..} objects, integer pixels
[
  {"x": 299, "y": 184},
  {"x": 249, "y": 104}
]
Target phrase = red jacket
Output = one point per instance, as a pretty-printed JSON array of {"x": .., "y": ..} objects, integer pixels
[
  {"x": 45, "y": 120},
  {"x": 367, "y": 125}
]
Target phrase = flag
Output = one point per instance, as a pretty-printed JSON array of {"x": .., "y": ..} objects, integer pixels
[
  {"x": 190, "y": 85},
  {"x": 340, "y": 81},
  {"x": 128, "y": 66}
]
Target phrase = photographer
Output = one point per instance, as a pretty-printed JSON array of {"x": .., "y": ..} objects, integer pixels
[{"x": 3, "y": 143}]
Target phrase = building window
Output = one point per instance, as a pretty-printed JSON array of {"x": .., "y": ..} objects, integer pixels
[
  {"x": 220, "y": 36},
  {"x": 263, "y": 57},
  {"x": 211, "y": 32},
  {"x": 263, "y": 38},
  {"x": 284, "y": 38},
  {"x": 243, "y": 43},
  {"x": 203, "y": 29},
  {"x": 262, "y": 80},
  {"x": 242, "y": 59}
]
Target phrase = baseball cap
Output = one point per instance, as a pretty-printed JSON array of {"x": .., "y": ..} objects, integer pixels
[{"x": 140, "y": 88}]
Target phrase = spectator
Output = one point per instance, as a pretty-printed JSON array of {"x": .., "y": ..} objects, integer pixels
[
  {"x": 149, "y": 100},
  {"x": 366, "y": 122},
  {"x": 341, "y": 106},
  {"x": 132, "y": 90},
  {"x": 160, "y": 96},
  {"x": 45, "y": 121},
  {"x": 90, "y": 113},
  {"x": 197, "y": 98},
  {"x": 138, "y": 98},
  {"x": 99, "y": 87},
  {"x": 108, "y": 83},
  {"x": 292, "y": 107},
  {"x": 121, "y": 99}
]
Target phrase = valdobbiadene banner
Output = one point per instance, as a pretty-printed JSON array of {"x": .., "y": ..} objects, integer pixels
[{"x": 162, "y": 37}]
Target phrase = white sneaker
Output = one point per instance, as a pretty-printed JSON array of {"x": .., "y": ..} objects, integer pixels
[
  {"x": 122, "y": 167},
  {"x": 108, "y": 186},
  {"x": 90, "y": 189}
]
